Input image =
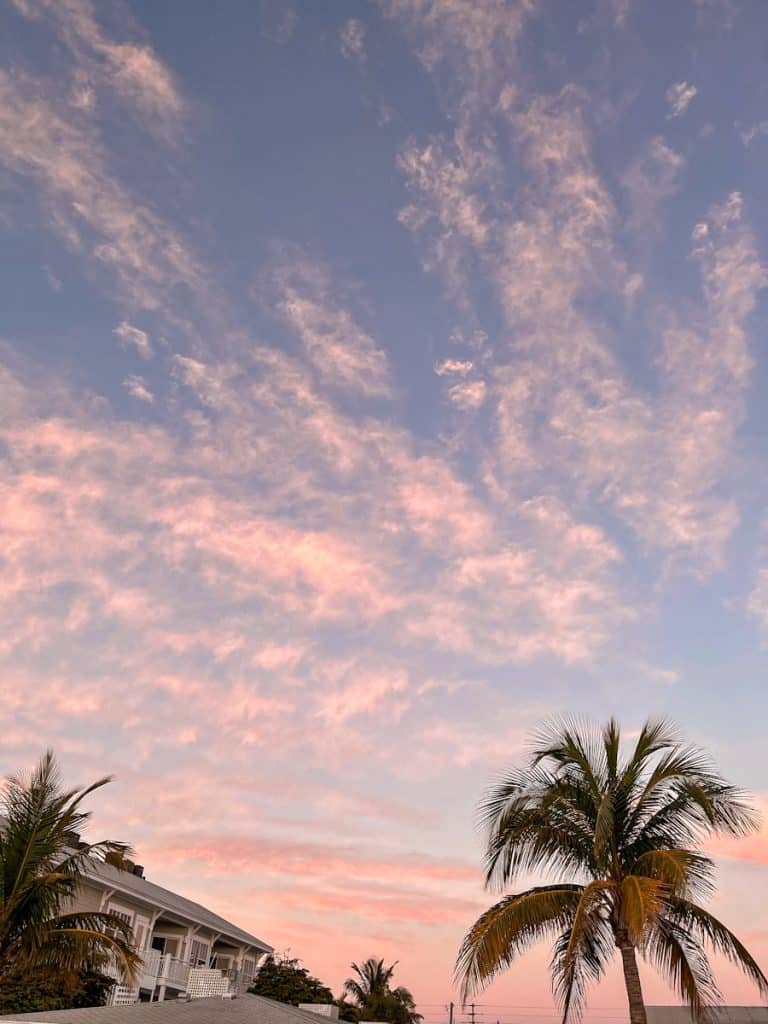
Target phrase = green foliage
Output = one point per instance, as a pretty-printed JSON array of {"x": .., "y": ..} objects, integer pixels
[
  {"x": 622, "y": 829},
  {"x": 348, "y": 1011},
  {"x": 375, "y": 999},
  {"x": 41, "y": 865},
  {"x": 287, "y": 981},
  {"x": 37, "y": 991}
]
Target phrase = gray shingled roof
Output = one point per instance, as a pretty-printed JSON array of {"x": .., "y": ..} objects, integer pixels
[
  {"x": 243, "y": 1010},
  {"x": 720, "y": 1015},
  {"x": 171, "y": 902}
]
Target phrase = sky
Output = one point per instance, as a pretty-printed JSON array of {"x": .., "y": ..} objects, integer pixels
[{"x": 378, "y": 379}]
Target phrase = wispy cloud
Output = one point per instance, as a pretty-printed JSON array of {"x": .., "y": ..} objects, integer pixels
[
  {"x": 565, "y": 399},
  {"x": 343, "y": 353},
  {"x": 131, "y": 336},
  {"x": 352, "y": 38},
  {"x": 679, "y": 96},
  {"x": 278, "y": 21},
  {"x": 137, "y": 388},
  {"x": 650, "y": 179},
  {"x": 133, "y": 70},
  {"x": 477, "y": 40},
  {"x": 46, "y": 141}
]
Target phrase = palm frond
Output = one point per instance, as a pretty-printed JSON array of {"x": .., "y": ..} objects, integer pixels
[
  {"x": 579, "y": 957},
  {"x": 685, "y": 966},
  {"x": 641, "y": 903},
  {"x": 42, "y": 862},
  {"x": 67, "y": 948},
  {"x": 604, "y": 830},
  {"x": 508, "y": 928},
  {"x": 705, "y": 928},
  {"x": 685, "y": 872},
  {"x": 576, "y": 749},
  {"x": 611, "y": 745}
]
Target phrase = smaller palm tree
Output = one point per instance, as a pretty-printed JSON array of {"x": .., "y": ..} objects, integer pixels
[
  {"x": 42, "y": 861},
  {"x": 372, "y": 981},
  {"x": 375, "y": 998}
]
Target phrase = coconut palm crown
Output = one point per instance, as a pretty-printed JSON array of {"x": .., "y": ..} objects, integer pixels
[
  {"x": 620, "y": 833},
  {"x": 372, "y": 981},
  {"x": 376, "y": 1000},
  {"x": 42, "y": 862}
]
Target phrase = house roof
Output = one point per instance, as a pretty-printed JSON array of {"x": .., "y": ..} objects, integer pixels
[
  {"x": 171, "y": 903},
  {"x": 246, "y": 1009},
  {"x": 719, "y": 1015},
  {"x": 163, "y": 899}
]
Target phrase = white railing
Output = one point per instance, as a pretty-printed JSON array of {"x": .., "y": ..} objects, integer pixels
[
  {"x": 206, "y": 982},
  {"x": 159, "y": 970},
  {"x": 150, "y": 968},
  {"x": 173, "y": 972},
  {"x": 122, "y": 995}
]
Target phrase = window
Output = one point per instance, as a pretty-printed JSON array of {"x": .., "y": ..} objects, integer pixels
[
  {"x": 198, "y": 953},
  {"x": 249, "y": 967},
  {"x": 124, "y": 915}
]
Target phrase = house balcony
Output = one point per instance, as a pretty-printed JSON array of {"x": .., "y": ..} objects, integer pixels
[
  {"x": 173, "y": 973},
  {"x": 157, "y": 970}
]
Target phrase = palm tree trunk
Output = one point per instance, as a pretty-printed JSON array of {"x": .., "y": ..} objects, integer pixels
[{"x": 637, "y": 1013}]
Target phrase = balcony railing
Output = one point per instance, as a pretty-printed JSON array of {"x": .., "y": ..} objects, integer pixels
[
  {"x": 150, "y": 969},
  {"x": 173, "y": 972},
  {"x": 161, "y": 970}
]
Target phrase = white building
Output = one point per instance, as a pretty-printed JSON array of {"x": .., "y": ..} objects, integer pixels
[
  {"x": 186, "y": 948},
  {"x": 718, "y": 1015}
]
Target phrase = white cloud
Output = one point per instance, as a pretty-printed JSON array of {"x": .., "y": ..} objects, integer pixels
[
  {"x": 755, "y": 131},
  {"x": 137, "y": 388},
  {"x": 468, "y": 394},
  {"x": 352, "y": 38},
  {"x": 650, "y": 179},
  {"x": 476, "y": 40},
  {"x": 346, "y": 356},
  {"x": 50, "y": 143},
  {"x": 279, "y": 21},
  {"x": 449, "y": 367},
  {"x": 133, "y": 336},
  {"x": 563, "y": 399},
  {"x": 679, "y": 96},
  {"x": 132, "y": 70}
]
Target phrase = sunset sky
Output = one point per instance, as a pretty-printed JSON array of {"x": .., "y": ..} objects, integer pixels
[{"x": 377, "y": 379}]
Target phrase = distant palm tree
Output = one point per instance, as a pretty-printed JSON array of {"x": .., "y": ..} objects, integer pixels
[
  {"x": 374, "y": 997},
  {"x": 372, "y": 982},
  {"x": 622, "y": 837},
  {"x": 42, "y": 862}
]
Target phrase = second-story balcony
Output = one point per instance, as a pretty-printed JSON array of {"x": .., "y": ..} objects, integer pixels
[
  {"x": 174, "y": 973},
  {"x": 161, "y": 969}
]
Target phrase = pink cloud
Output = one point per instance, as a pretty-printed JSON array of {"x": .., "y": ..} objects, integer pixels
[
  {"x": 306, "y": 860},
  {"x": 345, "y": 355}
]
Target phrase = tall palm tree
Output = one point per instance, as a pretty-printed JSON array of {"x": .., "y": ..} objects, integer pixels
[
  {"x": 42, "y": 862},
  {"x": 621, "y": 833}
]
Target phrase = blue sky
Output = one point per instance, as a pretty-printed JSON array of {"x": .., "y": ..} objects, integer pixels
[{"x": 376, "y": 380}]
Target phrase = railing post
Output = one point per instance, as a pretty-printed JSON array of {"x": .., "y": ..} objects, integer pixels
[{"x": 162, "y": 976}]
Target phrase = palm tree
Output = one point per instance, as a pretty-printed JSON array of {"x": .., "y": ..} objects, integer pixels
[
  {"x": 621, "y": 835},
  {"x": 42, "y": 861},
  {"x": 373, "y": 995},
  {"x": 372, "y": 982}
]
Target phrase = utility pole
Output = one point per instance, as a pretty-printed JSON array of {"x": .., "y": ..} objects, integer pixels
[{"x": 450, "y": 1013}]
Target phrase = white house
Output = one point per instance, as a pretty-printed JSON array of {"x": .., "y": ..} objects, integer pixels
[{"x": 186, "y": 948}]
